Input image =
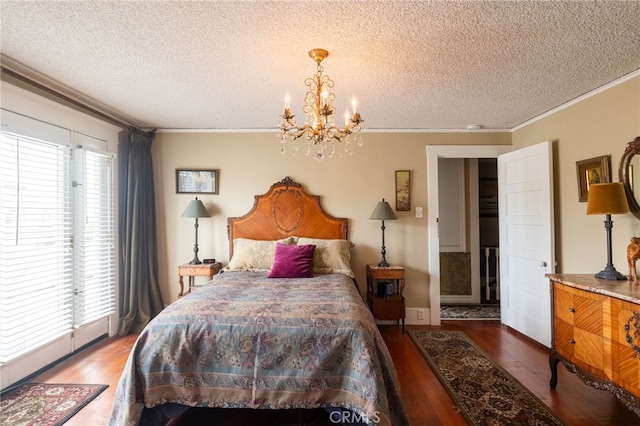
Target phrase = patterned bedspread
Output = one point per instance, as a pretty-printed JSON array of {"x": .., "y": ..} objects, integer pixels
[{"x": 248, "y": 341}]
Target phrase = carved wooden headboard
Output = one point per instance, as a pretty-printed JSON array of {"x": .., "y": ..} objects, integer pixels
[{"x": 283, "y": 211}]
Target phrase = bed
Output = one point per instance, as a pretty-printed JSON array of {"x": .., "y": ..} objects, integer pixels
[{"x": 283, "y": 326}]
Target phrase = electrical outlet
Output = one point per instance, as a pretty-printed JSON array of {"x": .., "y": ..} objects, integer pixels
[{"x": 420, "y": 314}]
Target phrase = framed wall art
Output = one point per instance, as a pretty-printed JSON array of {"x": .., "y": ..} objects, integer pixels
[
  {"x": 196, "y": 181},
  {"x": 403, "y": 190},
  {"x": 592, "y": 170}
]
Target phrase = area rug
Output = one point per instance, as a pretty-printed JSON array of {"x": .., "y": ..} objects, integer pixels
[
  {"x": 470, "y": 312},
  {"x": 45, "y": 404},
  {"x": 485, "y": 393}
]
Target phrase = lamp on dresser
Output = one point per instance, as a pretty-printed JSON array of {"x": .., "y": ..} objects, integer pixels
[
  {"x": 607, "y": 199},
  {"x": 383, "y": 211},
  {"x": 196, "y": 209}
]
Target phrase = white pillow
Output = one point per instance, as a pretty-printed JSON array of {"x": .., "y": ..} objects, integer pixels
[
  {"x": 330, "y": 256},
  {"x": 254, "y": 255}
]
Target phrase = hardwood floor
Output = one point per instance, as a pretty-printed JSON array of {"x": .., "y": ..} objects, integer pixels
[{"x": 426, "y": 401}]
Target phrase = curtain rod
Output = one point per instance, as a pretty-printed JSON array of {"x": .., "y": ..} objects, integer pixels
[{"x": 67, "y": 99}]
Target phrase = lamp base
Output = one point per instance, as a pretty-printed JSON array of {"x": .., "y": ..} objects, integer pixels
[
  {"x": 195, "y": 260},
  {"x": 610, "y": 273},
  {"x": 383, "y": 261}
]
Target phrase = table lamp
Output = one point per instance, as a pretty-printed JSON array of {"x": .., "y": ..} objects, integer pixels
[
  {"x": 383, "y": 212},
  {"x": 196, "y": 209},
  {"x": 607, "y": 199}
]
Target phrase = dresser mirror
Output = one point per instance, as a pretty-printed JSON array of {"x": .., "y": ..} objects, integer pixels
[{"x": 629, "y": 175}]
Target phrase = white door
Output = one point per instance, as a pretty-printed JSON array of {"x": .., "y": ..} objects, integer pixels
[{"x": 525, "y": 204}]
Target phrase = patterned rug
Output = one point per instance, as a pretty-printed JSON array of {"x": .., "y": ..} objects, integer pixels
[
  {"x": 45, "y": 404},
  {"x": 485, "y": 393},
  {"x": 470, "y": 312}
]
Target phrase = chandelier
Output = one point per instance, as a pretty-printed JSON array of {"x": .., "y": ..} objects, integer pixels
[{"x": 322, "y": 137}]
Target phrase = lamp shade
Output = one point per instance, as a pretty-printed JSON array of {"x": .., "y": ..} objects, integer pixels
[
  {"x": 607, "y": 198},
  {"x": 196, "y": 209},
  {"x": 383, "y": 211}
]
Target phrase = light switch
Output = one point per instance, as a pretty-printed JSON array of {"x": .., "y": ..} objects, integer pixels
[{"x": 418, "y": 212}]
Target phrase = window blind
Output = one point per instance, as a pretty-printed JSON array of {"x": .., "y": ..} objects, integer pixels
[
  {"x": 94, "y": 235},
  {"x": 36, "y": 259},
  {"x": 57, "y": 240}
]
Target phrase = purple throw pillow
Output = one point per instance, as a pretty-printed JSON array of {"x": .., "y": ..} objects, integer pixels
[{"x": 292, "y": 261}]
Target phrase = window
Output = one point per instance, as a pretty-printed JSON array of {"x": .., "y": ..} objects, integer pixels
[
  {"x": 94, "y": 235},
  {"x": 57, "y": 240}
]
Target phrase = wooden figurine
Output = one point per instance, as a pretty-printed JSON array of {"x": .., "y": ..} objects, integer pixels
[{"x": 633, "y": 254}]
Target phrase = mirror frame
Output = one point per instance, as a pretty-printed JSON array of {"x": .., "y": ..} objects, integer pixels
[{"x": 633, "y": 148}]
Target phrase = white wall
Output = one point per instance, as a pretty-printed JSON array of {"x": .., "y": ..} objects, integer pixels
[{"x": 21, "y": 101}]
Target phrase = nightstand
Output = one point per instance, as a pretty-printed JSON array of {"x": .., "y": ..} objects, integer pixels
[
  {"x": 191, "y": 271},
  {"x": 386, "y": 307}
]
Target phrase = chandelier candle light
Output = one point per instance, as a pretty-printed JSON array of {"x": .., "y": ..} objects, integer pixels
[{"x": 323, "y": 137}]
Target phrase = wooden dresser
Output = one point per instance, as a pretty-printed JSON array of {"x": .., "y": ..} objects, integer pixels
[{"x": 596, "y": 333}]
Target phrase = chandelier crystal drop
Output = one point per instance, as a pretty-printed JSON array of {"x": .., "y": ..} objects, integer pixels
[{"x": 322, "y": 138}]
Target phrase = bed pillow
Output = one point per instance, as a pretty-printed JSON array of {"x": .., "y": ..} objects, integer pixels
[
  {"x": 254, "y": 255},
  {"x": 330, "y": 256},
  {"x": 292, "y": 261}
]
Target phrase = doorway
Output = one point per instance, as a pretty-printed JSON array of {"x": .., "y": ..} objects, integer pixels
[
  {"x": 468, "y": 231},
  {"x": 434, "y": 153}
]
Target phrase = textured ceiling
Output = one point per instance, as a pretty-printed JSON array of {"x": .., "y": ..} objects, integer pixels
[{"x": 411, "y": 65}]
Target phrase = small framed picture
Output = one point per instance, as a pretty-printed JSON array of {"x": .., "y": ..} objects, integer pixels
[
  {"x": 403, "y": 190},
  {"x": 593, "y": 170},
  {"x": 196, "y": 181}
]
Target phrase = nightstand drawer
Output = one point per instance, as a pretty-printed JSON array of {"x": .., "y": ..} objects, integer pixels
[
  {"x": 387, "y": 308},
  {"x": 198, "y": 270},
  {"x": 394, "y": 274},
  {"x": 202, "y": 269}
]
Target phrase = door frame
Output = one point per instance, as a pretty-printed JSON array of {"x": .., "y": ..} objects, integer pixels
[{"x": 434, "y": 152}]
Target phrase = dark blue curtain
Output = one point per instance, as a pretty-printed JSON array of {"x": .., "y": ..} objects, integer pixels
[{"x": 140, "y": 297}]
